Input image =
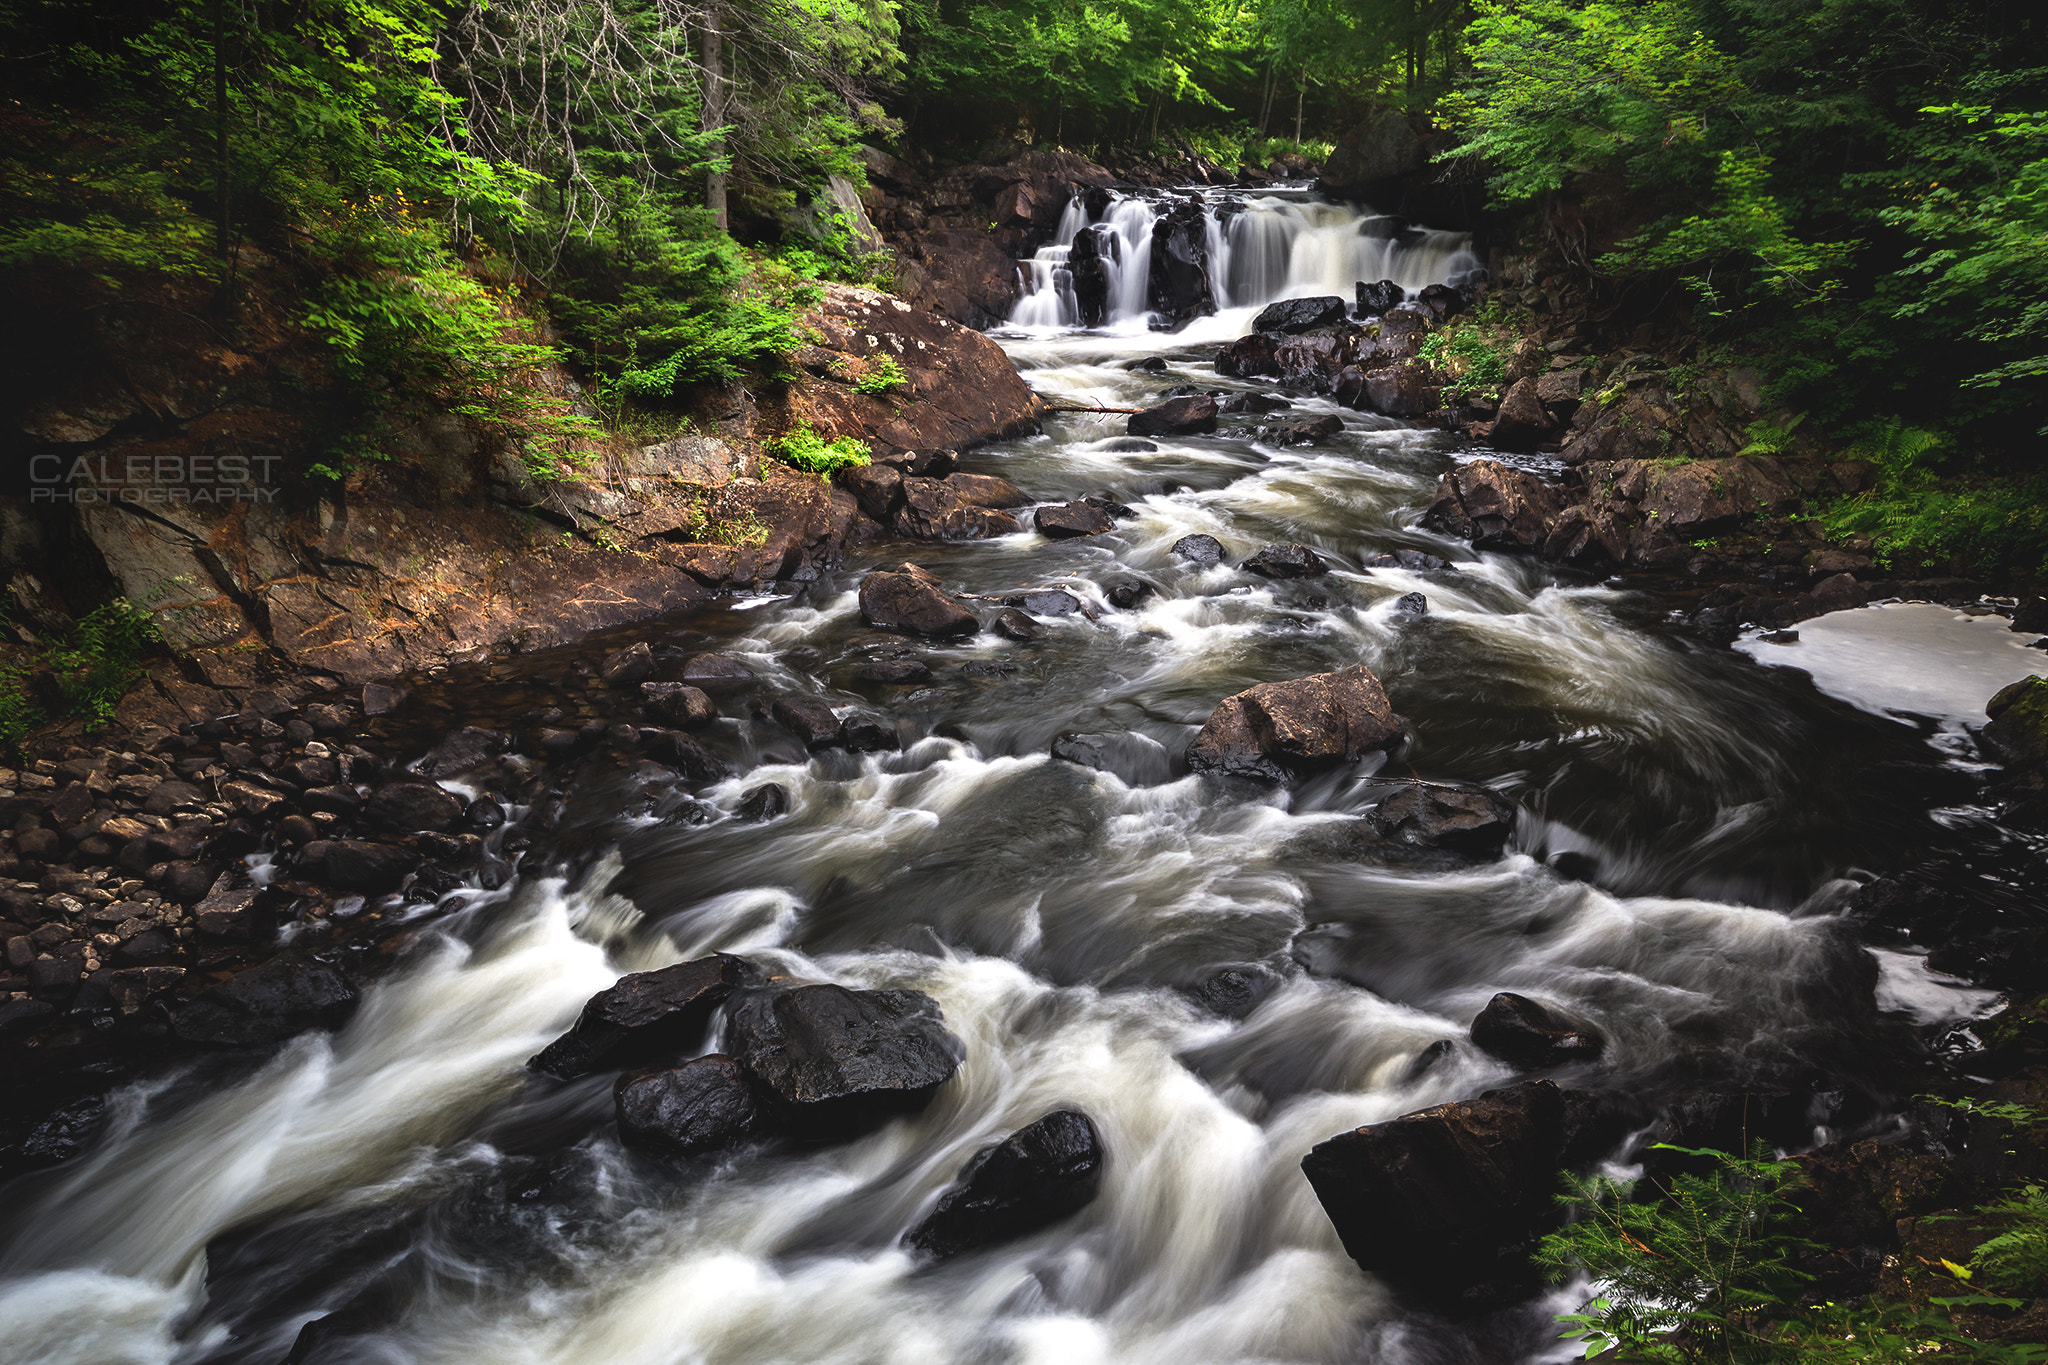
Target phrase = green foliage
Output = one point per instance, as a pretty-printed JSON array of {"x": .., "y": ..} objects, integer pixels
[
  {"x": 1475, "y": 358},
  {"x": 1929, "y": 507},
  {"x": 806, "y": 450},
  {"x": 1768, "y": 437},
  {"x": 881, "y": 376},
  {"x": 2016, "y": 1260},
  {"x": 90, "y": 668}
]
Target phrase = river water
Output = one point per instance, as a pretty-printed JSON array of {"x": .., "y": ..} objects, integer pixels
[{"x": 408, "y": 1171}]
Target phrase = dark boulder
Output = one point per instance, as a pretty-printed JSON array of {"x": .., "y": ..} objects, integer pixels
[
  {"x": 1286, "y": 561},
  {"x": 1407, "y": 559},
  {"x": 1308, "y": 433},
  {"x": 1015, "y": 625},
  {"x": 1179, "y": 285},
  {"x": 810, "y": 720},
  {"x": 1125, "y": 593},
  {"x": 358, "y": 865},
  {"x": 1129, "y": 445},
  {"x": 1282, "y": 729},
  {"x": 268, "y": 1004},
  {"x": 909, "y": 599},
  {"x": 1175, "y": 417},
  {"x": 677, "y": 704},
  {"x": 717, "y": 673},
  {"x": 1403, "y": 389},
  {"x": 2018, "y": 733},
  {"x": 1039, "y": 1175},
  {"x": 836, "y": 1062},
  {"x": 1524, "y": 1033},
  {"x": 1068, "y": 520},
  {"x": 1469, "y": 820},
  {"x": 410, "y": 806},
  {"x": 958, "y": 507},
  {"x": 1045, "y": 602},
  {"x": 764, "y": 803},
  {"x": 1377, "y": 299},
  {"x": 1438, "y": 301},
  {"x": 1250, "y": 357},
  {"x": 1521, "y": 423},
  {"x": 645, "y": 1017},
  {"x": 704, "y": 1105},
  {"x": 683, "y": 753},
  {"x": 1092, "y": 247},
  {"x": 896, "y": 672},
  {"x": 2029, "y": 618},
  {"x": 1299, "y": 315},
  {"x": 465, "y": 751},
  {"x": 624, "y": 667},
  {"x": 1451, "y": 1197},
  {"x": 1254, "y": 402},
  {"x": 1495, "y": 507},
  {"x": 1200, "y": 549}
]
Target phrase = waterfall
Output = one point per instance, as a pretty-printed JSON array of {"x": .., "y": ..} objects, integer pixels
[{"x": 1275, "y": 246}]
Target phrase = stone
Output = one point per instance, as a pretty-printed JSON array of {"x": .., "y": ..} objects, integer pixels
[
  {"x": 704, "y": 1105},
  {"x": 1839, "y": 593},
  {"x": 645, "y": 1018},
  {"x": 685, "y": 754},
  {"x": 1015, "y": 625},
  {"x": 896, "y": 672},
  {"x": 173, "y": 798},
  {"x": 909, "y": 599},
  {"x": 2031, "y": 617},
  {"x": 1378, "y": 298},
  {"x": 714, "y": 673},
  {"x": 1494, "y": 506},
  {"x": 1559, "y": 391},
  {"x": 952, "y": 509},
  {"x": 227, "y": 913},
  {"x": 1412, "y": 604},
  {"x": 1042, "y": 1173},
  {"x": 810, "y": 720},
  {"x": 1468, "y": 820},
  {"x": 1521, "y": 423},
  {"x": 268, "y": 1004},
  {"x": 1286, "y": 561},
  {"x": 1045, "y": 602},
  {"x": 1403, "y": 389},
  {"x": 253, "y": 798},
  {"x": 359, "y": 865},
  {"x": 1068, "y": 520},
  {"x": 1309, "y": 433},
  {"x": 1200, "y": 549},
  {"x": 765, "y": 802},
  {"x": 1530, "y": 1035},
  {"x": 836, "y": 1062},
  {"x": 1125, "y": 593},
  {"x": 1175, "y": 417},
  {"x": 1300, "y": 315},
  {"x": 677, "y": 704},
  {"x": 2017, "y": 735},
  {"x": 379, "y": 700},
  {"x": 1279, "y": 730},
  {"x": 408, "y": 806},
  {"x": 624, "y": 667},
  {"x": 1255, "y": 402},
  {"x": 1129, "y": 445},
  {"x": 1448, "y": 1197}
]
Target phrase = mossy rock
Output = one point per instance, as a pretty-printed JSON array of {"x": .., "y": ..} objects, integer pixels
[{"x": 2018, "y": 732}]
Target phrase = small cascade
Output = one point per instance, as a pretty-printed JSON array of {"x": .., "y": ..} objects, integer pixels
[{"x": 1097, "y": 273}]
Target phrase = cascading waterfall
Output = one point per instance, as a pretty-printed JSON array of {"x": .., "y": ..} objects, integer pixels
[{"x": 1261, "y": 249}]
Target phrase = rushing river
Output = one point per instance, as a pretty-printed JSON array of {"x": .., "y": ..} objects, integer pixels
[{"x": 408, "y": 1171}]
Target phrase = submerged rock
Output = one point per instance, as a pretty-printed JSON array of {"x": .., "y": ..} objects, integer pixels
[
  {"x": 1519, "y": 1030},
  {"x": 1469, "y": 820},
  {"x": 645, "y": 1017},
  {"x": 1200, "y": 549},
  {"x": 1286, "y": 561},
  {"x": 717, "y": 673},
  {"x": 268, "y": 1004},
  {"x": 1280, "y": 730},
  {"x": 836, "y": 1062},
  {"x": 677, "y": 704},
  {"x": 704, "y": 1105},
  {"x": 1041, "y": 1174}
]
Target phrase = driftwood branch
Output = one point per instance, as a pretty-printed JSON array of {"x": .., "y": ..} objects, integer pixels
[{"x": 1063, "y": 407}]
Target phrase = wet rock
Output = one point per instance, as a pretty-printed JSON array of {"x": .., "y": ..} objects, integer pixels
[
  {"x": 1282, "y": 729},
  {"x": 685, "y": 754},
  {"x": 1286, "y": 561},
  {"x": 358, "y": 865},
  {"x": 2031, "y": 617},
  {"x": 1494, "y": 506},
  {"x": 1527, "y": 1034},
  {"x": 896, "y": 672},
  {"x": 1126, "y": 593},
  {"x": 677, "y": 704},
  {"x": 1412, "y": 604},
  {"x": 409, "y": 806},
  {"x": 172, "y": 797},
  {"x": 645, "y": 1017},
  {"x": 959, "y": 507},
  {"x": 1202, "y": 550},
  {"x": 1438, "y": 302},
  {"x": 1521, "y": 423},
  {"x": 1379, "y": 298},
  {"x": 1069, "y": 520},
  {"x": 1403, "y": 389},
  {"x": 1045, "y": 602},
  {"x": 837, "y": 1062},
  {"x": 764, "y": 803},
  {"x": 1309, "y": 433},
  {"x": 704, "y": 1105},
  {"x": 1129, "y": 445},
  {"x": 1015, "y": 625},
  {"x": 379, "y": 700},
  {"x": 624, "y": 667},
  {"x": 268, "y": 1004},
  {"x": 1041, "y": 1174},
  {"x": 1110, "y": 507},
  {"x": 811, "y": 721},
  {"x": 1469, "y": 820},
  {"x": 1839, "y": 593},
  {"x": 870, "y": 736},
  {"x": 878, "y": 488},
  {"x": 1151, "y": 364},
  {"x": 1175, "y": 417},
  {"x": 2018, "y": 733},
  {"x": 1179, "y": 286},
  {"x": 1234, "y": 992},
  {"x": 715, "y": 673},
  {"x": 1255, "y": 402},
  {"x": 1300, "y": 315},
  {"x": 1450, "y": 1197},
  {"x": 483, "y": 813},
  {"x": 909, "y": 599}
]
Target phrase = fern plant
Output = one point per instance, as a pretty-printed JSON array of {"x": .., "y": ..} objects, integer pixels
[{"x": 805, "y": 449}]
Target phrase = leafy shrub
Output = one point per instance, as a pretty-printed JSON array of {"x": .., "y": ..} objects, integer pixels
[
  {"x": 1914, "y": 513},
  {"x": 806, "y": 450},
  {"x": 1476, "y": 363},
  {"x": 91, "y": 667},
  {"x": 881, "y": 376}
]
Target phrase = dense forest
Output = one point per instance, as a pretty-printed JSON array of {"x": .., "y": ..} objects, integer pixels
[{"x": 1850, "y": 192}]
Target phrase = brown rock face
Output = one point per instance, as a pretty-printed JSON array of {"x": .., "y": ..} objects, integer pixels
[
  {"x": 1283, "y": 729},
  {"x": 909, "y": 599},
  {"x": 1401, "y": 390},
  {"x": 1521, "y": 423},
  {"x": 1175, "y": 417},
  {"x": 1496, "y": 507}
]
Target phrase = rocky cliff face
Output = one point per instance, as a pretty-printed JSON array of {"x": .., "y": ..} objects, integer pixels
[{"x": 162, "y": 455}]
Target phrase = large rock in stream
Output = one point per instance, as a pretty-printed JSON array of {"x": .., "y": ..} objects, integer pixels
[
  {"x": 833, "y": 1062},
  {"x": 646, "y": 1017},
  {"x": 909, "y": 599},
  {"x": 1494, "y": 506},
  {"x": 1455, "y": 1196},
  {"x": 1280, "y": 730},
  {"x": 1187, "y": 416},
  {"x": 1041, "y": 1174}
]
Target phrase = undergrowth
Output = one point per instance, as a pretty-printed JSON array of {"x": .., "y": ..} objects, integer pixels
[
  {"x": 79, "y": 675},
  {"x": 1931, "y": 506},
  {"x": 805, "y": 449}
]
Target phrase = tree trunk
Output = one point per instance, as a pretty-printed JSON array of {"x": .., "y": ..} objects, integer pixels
[
  {"x": 220, "y": 131},
  {"x": 1157, "y": 100},
  {"x": 713, "y": 49},
  {"x": 1300, "y": 94},
  {"x": 1266, "y": 105}
]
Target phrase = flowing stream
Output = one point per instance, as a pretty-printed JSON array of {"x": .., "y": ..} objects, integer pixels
[{"x": 408, "y": 1172}]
